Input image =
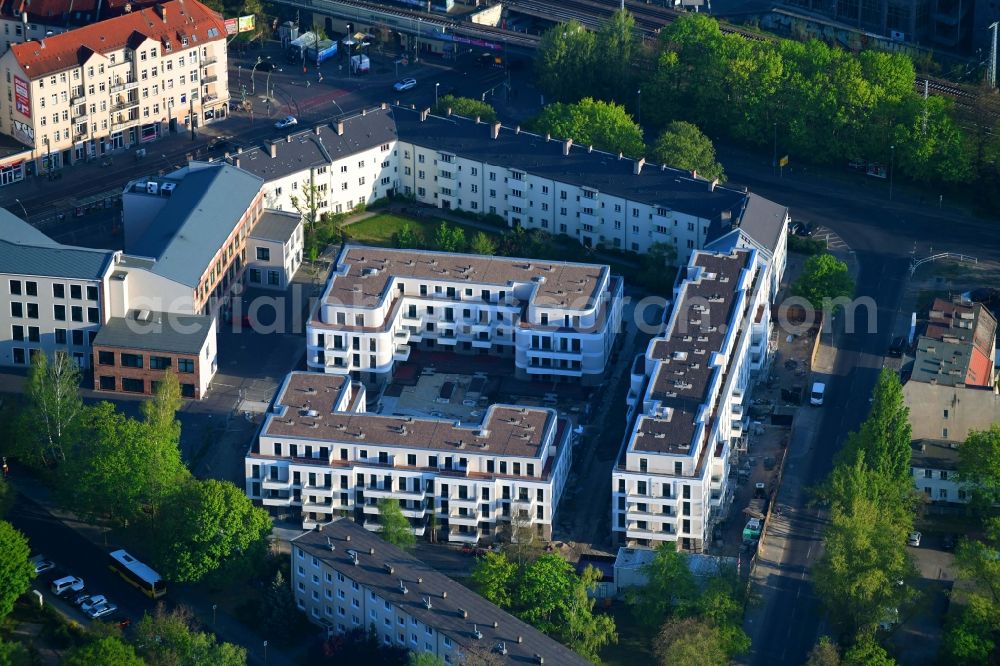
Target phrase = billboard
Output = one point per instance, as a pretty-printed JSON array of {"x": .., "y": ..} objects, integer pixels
[
  {"x": 231, "y": 28},
  {"x": 22, "y": 96},
  {"x": 246, "y": 23}
]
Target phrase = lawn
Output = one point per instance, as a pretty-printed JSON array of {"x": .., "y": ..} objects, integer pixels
[{"x": 380, "y": 229}]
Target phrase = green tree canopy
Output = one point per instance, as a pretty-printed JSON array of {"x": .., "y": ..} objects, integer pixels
[
  {"x": 824, "y": 279},
  {"x": 54, "y": 409},
  {"x": 885, "y": 434},
  {"x": 467, "y": 107},
  {"x": 564, "y": 61},
  {"x": 682, "y": 145},
  {"x": 493, "y": 577},
  {"x": 396, "y": 528},
  {"x": 670, "y": 590},
  {"x": 13, "y": 654},
  {"x": 824, "y": 653},
  {"x": 867, "y": 652},
  {"x": 279, "y": 613},
  {"x": 425, "y": 659},
  {"x": 616, "y": 46},
  {"x": 604, "y": 125},
  {"x": 16, "y": 571},
  {"x": 170, "y": 638},
  {"x": 109, "y": 650},
  {"x": 971, "y": 637},
  {"x": 449, "y": 238},
  {"x": 205, "y": 523},
  {"x": 483, "y": 244},
  {"x": 979, "y": 466},
  {"x": 690, "y": 641}
]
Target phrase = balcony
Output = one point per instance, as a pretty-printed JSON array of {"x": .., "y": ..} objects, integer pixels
[
  {"x": 634, "y": 513},
  {"x": 126, "y": 61},
  {"x": 449, "y": 340},
  {"x": 633, "y": 531},
  {"x": 79, "y": 136},
  {"x": 469, "y": 536},
  {"x": 209, "y": 99},
  {"x": 211, "y": 60},
  {"x": 277, "y": 501},
  {"x": 470, "y": 502},
  {"x": 419, "y": 512},
  {"x": 122, "y": 86},
  {"x": 445, "y": 175},
  {"x": 470, "y": 519},
  {"x": 316, "y": 507},
  {"x": 401, "y": 353},
  {"x": 121, "y": 105},
  {"x": 523, "y": 502},
  {"x": 276, "y": 484},
  {"x": 76, "y": 99},
  {"x": 402, "y": 336},
  {"x": 212, "y": 78},
  {"x": 482, "y": 344}
]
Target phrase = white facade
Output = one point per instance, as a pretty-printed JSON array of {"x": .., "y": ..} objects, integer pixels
[
  {"x": 273, "y": 258},
  {"x": 556, "y": 320},
  {"x": 471, "y": 483},
  {"x": 686, "y": 406}
]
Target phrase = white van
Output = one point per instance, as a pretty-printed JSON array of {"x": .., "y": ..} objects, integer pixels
[
  {"x": 816, "y": 396},
  {"x": 66, "y": 584}
]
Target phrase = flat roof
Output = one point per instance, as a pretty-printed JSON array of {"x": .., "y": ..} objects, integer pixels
[
  {"x": 276, "y": 226},
  {"x": 505, "y": 430},
  {"x": 366, "y": 271},
  {"x": 671, "y": 188},
  {"x": 454, "y": 609},
  {"x": 935, "y": 454},
  {"x": 698, "y": 328},
  {"x": 160, "y": 332}
]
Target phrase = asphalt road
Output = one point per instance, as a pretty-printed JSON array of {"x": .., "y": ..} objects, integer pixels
[{"x": 883, "y": 236}]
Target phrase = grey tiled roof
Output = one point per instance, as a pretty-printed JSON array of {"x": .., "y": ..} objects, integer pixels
[
  {"x": 319, "y": 146},
  {"x": 201, "y": 214},
  {"x": 24, "y": 250},
  {"x": 276, "y": 226},
  {"x": 763, "y": 220},
  {"x": 672, "y": 188},
  {"x": 163, "y": 332},
  {"x": 424, "y": 582}
]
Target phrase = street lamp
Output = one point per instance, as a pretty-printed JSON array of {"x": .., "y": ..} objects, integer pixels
[
  {"x": 638, "y": 107},
  {"x": 22, "y": 208},
  {"x": 253, "y": 73},
  {"x": 436, "y": 86},
  {"x": 892, "y": 168},
  {"x": 265, "y": 653},
  {"x": 214, "y": 606}
]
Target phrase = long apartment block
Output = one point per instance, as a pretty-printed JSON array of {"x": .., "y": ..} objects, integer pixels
[
  {"x": 320, "y": 453},
  {"x": 556, "y": 320},
  {"x": 687, "y": 404}
]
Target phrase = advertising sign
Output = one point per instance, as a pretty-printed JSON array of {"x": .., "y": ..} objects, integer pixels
[
  {"x": 22, "y": 96},
  {"x": 231, "y": 26},
  {"x": 246, "y": 23}
]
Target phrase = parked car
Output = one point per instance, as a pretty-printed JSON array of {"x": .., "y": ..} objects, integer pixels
[
  {"x": 67, "y": 584},
  {"x": 948, "y": 542},
  {"x": 793, "y": 228},
  {"x": 817, "y": 394},
  {"x": 913, "y": 539},
  {"x": 897, "y": 346},
  {"x": 41, "y": 564},
  {"x": 81, "y": 598},
  {"x": 803, "y": 229},
  {"x": 287, "y": 121},
  {"x": 93, "y": 602},
  {"x": 405, "y": 84},
  {"x": 102, "y": 610}
]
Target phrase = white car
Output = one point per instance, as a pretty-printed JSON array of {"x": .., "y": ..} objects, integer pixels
[
  {"x": 67, "y": 584},
  {"x": 102, "y": 610},
  {"x": 913, "y": 539},
  {"x": 817, "y": 394},
  {"x": 93, "y": 602},
  {"x": 287, "y": 121},
  {"x": 405, "y": 84},
  {"x": 41, "y": 564}
]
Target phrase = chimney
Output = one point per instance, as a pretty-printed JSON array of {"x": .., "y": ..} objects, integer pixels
[
  {"x": 517, "y": 130},
  {"x": 274, "y": 149},
  {"x": 478, "y": 120},
  {"x": 694, "y": 173},
  {"x": 711, "y": 186},
  {"x": 548, "y": 137},
  {"x": 567, "y": 144},
  {"x": 364, "y": 112},
  {"x": 340, "y": 128},
  {"x": 384, "y": 106},
  {"x": 424, "y": 114},
  {"x": 495, "y": 130},
  {"x": 637, "y": 166},
  {"x": 239, "y": 150},
  {"x": 449, "y": 112},
  {"x": 288, "y": 138},
  {"x": 317, "y": 130},
  {"x": 162, "y": 11},
  {"x": 590, "y": 148},
  {"x": 621, "y": 155},
  {"x": 236, "y": 163}
]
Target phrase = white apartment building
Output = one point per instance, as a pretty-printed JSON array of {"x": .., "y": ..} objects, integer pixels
[
  {"x": 538, "y": 182},
  {"x": 319, "y": 454},
  {"x": 345, "y": 578},
  {"x": 556, "y": 320},
  {"x": 687, "y": 405},
  {"x": 330, "y": 168},
  {"x": 115, "y": 85},
  {"x": 55, "y": 297},
  {"x": 275, "y": 250}
]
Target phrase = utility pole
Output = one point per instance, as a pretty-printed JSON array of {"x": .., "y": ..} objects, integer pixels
[{"x": 992, "y": 72}]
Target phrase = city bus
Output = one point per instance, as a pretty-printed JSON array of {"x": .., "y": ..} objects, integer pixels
[{"x": 138, "y": 574}]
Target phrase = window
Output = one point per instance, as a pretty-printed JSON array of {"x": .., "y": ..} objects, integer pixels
[
  {"x": 107, "y": 383},
  {"x": 91, "y": 293},
  {"x": 17, "y": 332},
  {"x": 15, "y": 287},
  {"x": 159, "y": 362},
  {"x": 59, "y": 312},
  {"x": 77, "y": 313},
  {"x": 106, "y": 358},
  {"x": 131, "y": 360},
  {"x": 32, "y": 310},
  {"x": 60, "y": 336},
  {"x": 185, "y": 365},
  {"x": 78, "y": 337},
  {"x": 59, "y": 290},
  {"x": 32, "y": 334},
  {"x": 133, "y": 385},
  {"x": 263, "y": 254},
  {"x": 93, "y": 315},
  {"x": 31, "y": 288},
  {"x": 75, "y": 291},
  {"x": 19, "y": 356}
]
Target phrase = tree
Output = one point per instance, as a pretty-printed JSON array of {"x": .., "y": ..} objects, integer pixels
[
  {"x": 824, "y": 653},
  {"x": 160, "y": 417},
  {"x": 54, "y": 408},
  {"x": 7, "y": 496},
  {"x": 655, "y": 262},
  {"x": 448, "y": 238},
  {"x": 425, "y": 659},
  {"x": 970, "y": 639},
  {"x": 13, "y": 654},
  {"x": 109, "y": 472},
  {"x": 396, "y": 528},
  {"x": 979, "y": 466},
  {"x": 691, "y": 642},
  {"x": 823, "y": 279},
  {"x": 721, "y": 603},
  {"x": 867, "y": 652},
  {"x": 16, "y": 571},
  {"x": 109, "y": 650},
  {"x": 604, "y": 125},
  {"x": 406, "y": 237},
  {"x": 279, "y": 612},
  {"x": 493, "y": 576},
  {"x": 670, "y": 590},
  {"x": 682, "y": 145},
  {"x": 466, "y": 107},
  {"x": 616, "y": 45},
  {"x": 204, "y": 523},
  {"x": 483, "y": 244},
  {"x": 308, "y": 205},
  {"x": 564, "y": 61},
  {"x": 884, "y": 436},
  {"x": 169, "y": 638}
]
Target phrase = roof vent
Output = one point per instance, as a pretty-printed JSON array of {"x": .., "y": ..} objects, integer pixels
[
  {"x": 501, "y": 648},
  {"x": 478, "y": 635},
  {"x": 427, "y": 603},
  {"x": 388, "y": 567},
  {"x": 371, "y": 551},
  {"x": 402, "y": 586},
  {"x": 444, "y": 595},
  {"x": 329, "y": 542},
  {"x": 354, "y": 556},
  {"x": 539, "y": 659},
  {"x": 462, "y": 613}
]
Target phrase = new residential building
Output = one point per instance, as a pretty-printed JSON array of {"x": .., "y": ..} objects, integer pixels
[
  {"x": 687, "y": 404},
  {"x": 116, "y": 84},
  {"x": 329, "y": 168},
  {"x": 275, "y": 249},
  {"x": 319, "y": 454},
  {"x": 556, "y": 320},
  {"x": 345, "y": 578},
  {"x": 55, "y": 297}
]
